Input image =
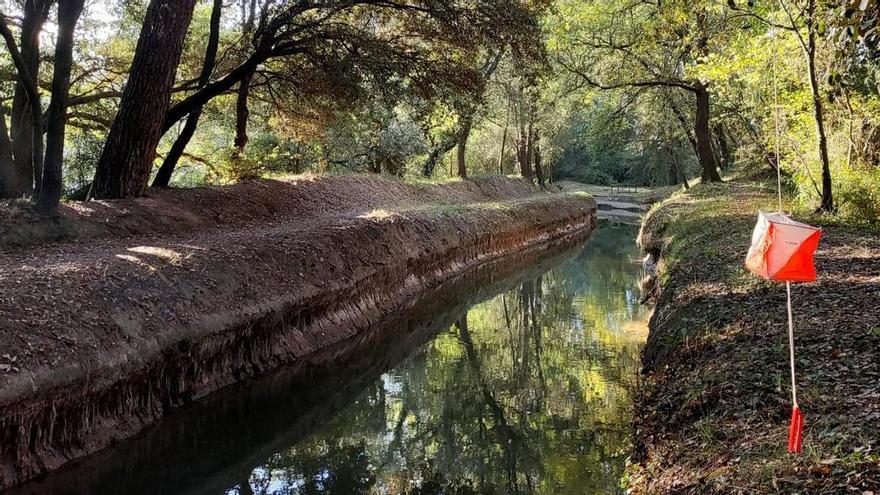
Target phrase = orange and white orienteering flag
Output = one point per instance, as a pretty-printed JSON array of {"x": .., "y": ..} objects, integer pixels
[{"x": 783, "y": 249}]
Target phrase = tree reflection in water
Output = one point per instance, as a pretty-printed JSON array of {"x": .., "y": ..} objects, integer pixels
[{"x": 529, "y": 392}]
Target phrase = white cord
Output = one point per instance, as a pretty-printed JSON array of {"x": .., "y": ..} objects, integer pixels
[
  {"x": 779, "y": 199},
  {"x": 791, "y": 345},
  {"x": 776, "y": 121}
]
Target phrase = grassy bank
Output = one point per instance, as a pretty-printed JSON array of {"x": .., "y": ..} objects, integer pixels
[{"x": 714, "y": 408}]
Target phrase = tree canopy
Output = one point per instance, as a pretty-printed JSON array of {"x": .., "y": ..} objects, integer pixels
[{"x": 106, "y": 98}]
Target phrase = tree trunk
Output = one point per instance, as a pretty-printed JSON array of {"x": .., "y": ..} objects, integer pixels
[
  {"x": 716, "y": 152},
  {"x": 703, "y": 135},
  {"x": 215, "y": 88},
  {"x": 27, "y": 147},
  {"x": 244, "y": 488},
  {"x": 522, "y": 154},
  {"x": 50, "y": 191},
  {"x": 374, "y": 165},
  {"x": 163, "y": 177},
  {"x": 127, "y": 159},
  {"x": 539, "y": 171},
  {"x": 436, "y": 154},
  {"x": 827, "y": 203},
  {"x": 530, "y": 150},
  {"x": 677, "y": 173},
  {"x": 169, "y": 164},
  {"x": 501, "y": 153},
  {"x": 685, "y": 128},
  {"x": 461, "y": 151},
  {"x": 242, "y": 113},
  {"x": 723, "y": 146},
  {"x": 8, "y": 187},
  {"x": 870, "y": 152}
]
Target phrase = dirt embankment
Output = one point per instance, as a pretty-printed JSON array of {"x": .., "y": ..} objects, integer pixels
[
  {"x": 283, "y": 407},
  {"x": 150, "y": 303},
  {"x": 714, "y": 409}
]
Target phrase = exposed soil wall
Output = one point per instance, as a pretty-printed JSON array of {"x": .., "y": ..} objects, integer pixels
[
  {"x": 286, "y": 406},
  {"x": 151, "y": 303},
  {"x": 714, "y": 405}
]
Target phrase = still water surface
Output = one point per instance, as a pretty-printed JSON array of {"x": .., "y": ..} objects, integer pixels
[{"x": 522, "y": 385}]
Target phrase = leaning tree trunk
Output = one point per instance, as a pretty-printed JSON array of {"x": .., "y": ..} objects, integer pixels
[
  {"x": 169, "y": 164},
  {"x": 703, "y": 135},
  {"x": 50, "y": 191},
  {"x": 26, "y": 147},
  {"x": 437, "y": 153},
  {"x": 215, "y": 88},
  {"x": 461, "y": 146},
  {"x": 127, "y": 159},
  {"x": 163, "y": 176},
  {"x": 686, "y": 128},
  {"x": 242, "y": 113}
]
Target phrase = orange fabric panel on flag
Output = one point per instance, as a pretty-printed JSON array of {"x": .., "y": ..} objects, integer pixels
[
  {"x": 800, "y": 267},
  {"x": 783, "y": 249}
]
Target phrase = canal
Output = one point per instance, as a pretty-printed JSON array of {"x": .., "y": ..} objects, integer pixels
[{"x": 518, "y": 383}]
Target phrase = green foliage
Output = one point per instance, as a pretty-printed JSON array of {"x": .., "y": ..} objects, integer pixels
[
  {"x": 858, "y": 193},
  {"x": 82, "y": 152},
  {"x": 585, "y": 82}
]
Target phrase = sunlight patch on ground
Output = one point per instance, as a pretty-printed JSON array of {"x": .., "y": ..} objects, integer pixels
[
  {"x": 81, "y": 208},
  {"x": 377, "y": 214},
  {"x": 172, "y": 256}
]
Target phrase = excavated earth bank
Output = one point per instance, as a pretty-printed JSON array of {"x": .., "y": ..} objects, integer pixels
[
  {"x": 144, "y": 305},
  {"x": 224, "y": 437}
]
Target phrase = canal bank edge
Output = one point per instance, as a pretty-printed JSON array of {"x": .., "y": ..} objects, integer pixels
[
  {"x": 156, "y": 320},
  {"x": 713, "y": 404},
  {"x": 245, "y": 423}
]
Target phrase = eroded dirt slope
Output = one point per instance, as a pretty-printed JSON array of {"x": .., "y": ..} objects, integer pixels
[{"x": 149, "y": 303}]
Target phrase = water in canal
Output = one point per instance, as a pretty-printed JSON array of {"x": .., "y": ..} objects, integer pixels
[{"x": 521, "y": 384}]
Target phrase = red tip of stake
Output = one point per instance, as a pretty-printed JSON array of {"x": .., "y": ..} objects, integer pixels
[{"x": 795, "y": 431}]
